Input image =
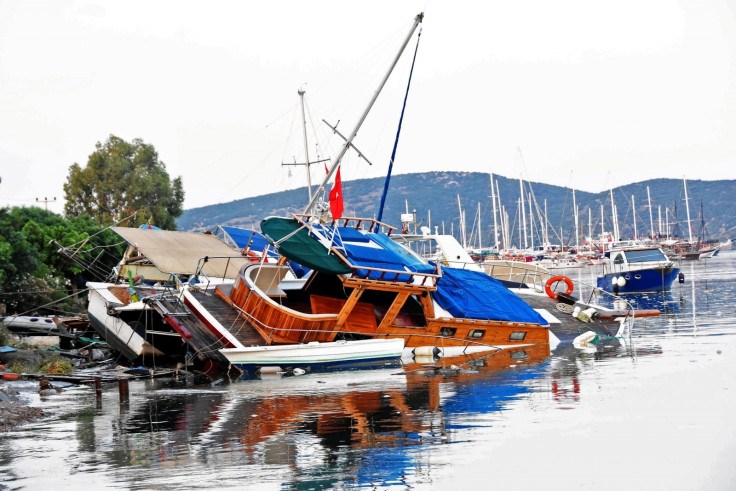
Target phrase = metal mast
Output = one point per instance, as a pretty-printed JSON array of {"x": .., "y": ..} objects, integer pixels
[
  {"x": 495, "y": 226},
  {"x": 306, "y": 147},
  {"x": 338, "y": 159},
  {"x": 651, "y": 220},
  {"x": 687, "y": 208}
]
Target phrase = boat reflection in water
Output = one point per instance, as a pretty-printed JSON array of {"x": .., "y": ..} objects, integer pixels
[{"x": 302, "y": 424}]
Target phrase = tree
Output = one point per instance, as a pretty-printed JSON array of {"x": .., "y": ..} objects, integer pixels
[
  {"x": 34, "y": 273},
  {"x": 124, "y": 183}
]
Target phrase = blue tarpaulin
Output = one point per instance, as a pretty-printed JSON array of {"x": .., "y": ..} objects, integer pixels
[{"x": 474, "y": 295}]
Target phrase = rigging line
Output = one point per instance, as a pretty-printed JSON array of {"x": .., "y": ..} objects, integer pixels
[
  {"x": 398, "y": 132},
  {"x": 288, "y": 137},
  {"x": 54, "y": 302}
]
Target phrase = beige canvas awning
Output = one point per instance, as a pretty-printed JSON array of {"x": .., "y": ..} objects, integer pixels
[{"x": 179, "y": 252}]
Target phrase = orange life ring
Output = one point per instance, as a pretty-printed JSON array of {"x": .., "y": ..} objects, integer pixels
[{"x": 555, "y": 279}]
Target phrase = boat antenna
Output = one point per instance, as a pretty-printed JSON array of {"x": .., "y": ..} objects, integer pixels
[
  {"x": 348, "y": 142},
  {"x": 398, "y": 132}
]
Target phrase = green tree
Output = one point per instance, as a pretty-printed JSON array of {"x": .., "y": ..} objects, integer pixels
[
  {"x": 124, "y": 183},
  {"x": 33, "y": 272}
]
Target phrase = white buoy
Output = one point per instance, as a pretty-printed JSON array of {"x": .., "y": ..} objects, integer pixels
[
  {"x": 621, "y": 281},
  {"x": 270, "y": 369},
  {"x": 298, "y": 371},
  {"x": 614, "y": 281},
  {"x": 426, "y": 351},
  {"x": 584, "y": 340}
]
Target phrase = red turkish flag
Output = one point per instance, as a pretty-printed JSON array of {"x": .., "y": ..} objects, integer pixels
[{"x": 336, "y": 205}]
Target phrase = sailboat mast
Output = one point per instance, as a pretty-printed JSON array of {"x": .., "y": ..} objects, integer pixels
[
  {"x": 613, "y": 218},
  {"x": 349, "y": 141},
  {"x": 503, "y": 216},
  {"x": 495, "y": 226},
  {"x": 651, "y": 221},
  {"x": 306, "y": 146},
  {"x": 480, "y": 237},
  {"x": 633, "y": 212},
  {"x": 687, "y": 209},
  {"x": 546, "y": 225},
  {"x": 462, "y": 221},
  {"x": 575, "y": 210},
  {"x": 523, "y": 213},
  {"x": 590, "y": 223},
  {"x": 531, "y": 223}
]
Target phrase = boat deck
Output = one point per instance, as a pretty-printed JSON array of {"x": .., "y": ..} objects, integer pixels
[
  {"x": 197, "y": 335},
  {"x": 229, "y": 317}
]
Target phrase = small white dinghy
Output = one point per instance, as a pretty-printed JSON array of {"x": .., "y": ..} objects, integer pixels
[{"x": 317, "y": 356}]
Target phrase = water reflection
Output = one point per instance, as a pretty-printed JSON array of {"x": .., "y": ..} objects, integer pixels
[{"x": 368, "y": 428}]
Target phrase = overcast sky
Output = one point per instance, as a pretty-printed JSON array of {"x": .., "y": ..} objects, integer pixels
[{"x": 584, "y": 94}]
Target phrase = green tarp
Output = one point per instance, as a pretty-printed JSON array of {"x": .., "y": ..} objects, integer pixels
[{"x": 300, "y": 247}]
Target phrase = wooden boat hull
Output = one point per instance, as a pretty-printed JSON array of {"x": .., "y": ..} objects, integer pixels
[
  {"x": 317, "y": 356},
  {"x": 279, "y": 324}
]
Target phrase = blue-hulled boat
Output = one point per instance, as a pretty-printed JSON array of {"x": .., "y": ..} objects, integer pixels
[{"x": 637, "y": 270}]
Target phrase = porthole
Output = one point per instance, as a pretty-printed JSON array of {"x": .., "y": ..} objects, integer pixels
[
  {"x": 518, "y": 355},
  {"x": 447, "y": 331},
  {"x": 517, "y": 336}
]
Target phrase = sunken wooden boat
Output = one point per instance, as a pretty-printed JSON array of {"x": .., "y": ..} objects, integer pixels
[
  {"x": 363, "y": 285},
  {"x": 140, "y": 314}
]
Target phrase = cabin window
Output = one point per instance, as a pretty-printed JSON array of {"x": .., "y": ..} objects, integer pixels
[
  {"x": 637, "y": 276},
  {"x": 517, "y": 336},
  {"x": 628, "y": 277},
  {"x": 476, "y": 333},
  {"x": 619, "y": 259},
  {"x": 518, "y": 355},
  {"x": 447, "y": 331}
]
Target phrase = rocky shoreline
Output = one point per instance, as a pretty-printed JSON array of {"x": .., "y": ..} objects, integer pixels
[{"x": 16, "y": 413}]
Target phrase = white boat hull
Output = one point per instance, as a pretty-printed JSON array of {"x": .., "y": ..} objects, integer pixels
[
  {"x": 117, "y": 333},
  {"x": 337, "y": 354}
]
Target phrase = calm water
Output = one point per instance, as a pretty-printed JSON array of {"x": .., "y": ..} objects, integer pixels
[{"x": 653, "y": 412}]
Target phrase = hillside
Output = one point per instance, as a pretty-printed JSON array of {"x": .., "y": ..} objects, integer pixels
[{"x": 434, "y": 196}]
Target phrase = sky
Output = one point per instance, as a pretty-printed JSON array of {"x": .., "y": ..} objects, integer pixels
[{"x": 584, "y": 94}]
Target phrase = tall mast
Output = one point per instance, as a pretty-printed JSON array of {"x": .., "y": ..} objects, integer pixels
[
  {"x": 546, "y": 225},
  {"x": 687, "y": 209},
  {"x": 495, "y": 226},
  {"x": 523, "y": 213},
  {"x": 633, "y": 212},
  {"x": 531, "y": 223},
  {"x": 348, "y": 142},
  {"x": 575, "y": 210},
  {"x": 462, "y": 221},
  {"x": 613, "y": 217},
  {"x": 590, "y": 222},
  {"x": 480, "y": 237},
  {"x": 306, "y": 146},
  {"x": 651, "y": 221}
]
